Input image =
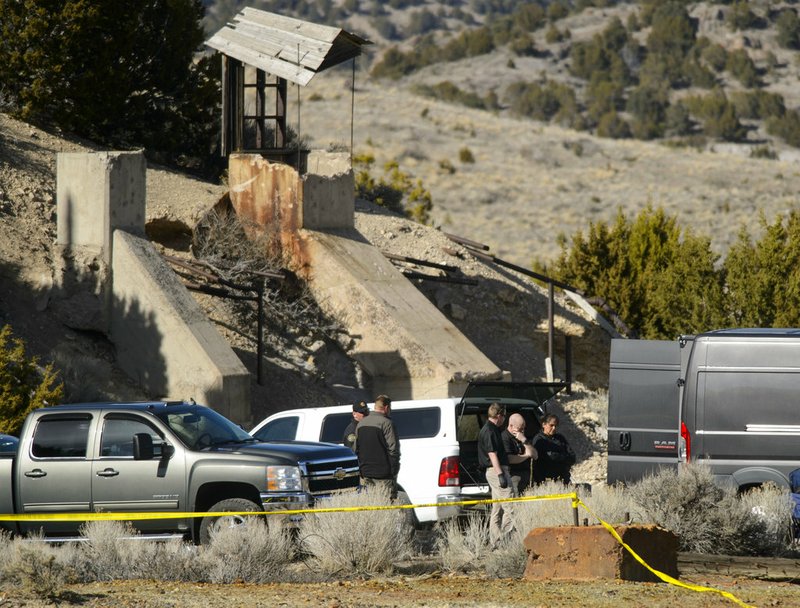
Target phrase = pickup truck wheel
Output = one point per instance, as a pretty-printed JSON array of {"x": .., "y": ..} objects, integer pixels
[{"x": 209, "y": 525}]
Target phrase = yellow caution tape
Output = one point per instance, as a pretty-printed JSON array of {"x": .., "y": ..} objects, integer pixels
[
  {"x": 138, "y": 516},
  {"x": 62, "y": 517}
]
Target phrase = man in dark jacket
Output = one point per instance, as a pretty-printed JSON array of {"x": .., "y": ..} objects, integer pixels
[
  {"x": 360, "y": 410},
  {"x": 378, "y": 448},
  {"x": 555, "y": 456}
]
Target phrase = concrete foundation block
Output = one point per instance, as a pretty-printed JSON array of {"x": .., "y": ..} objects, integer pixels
[{"x": 591, "y": 552}]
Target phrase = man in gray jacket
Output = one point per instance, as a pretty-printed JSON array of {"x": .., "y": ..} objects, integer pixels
[{"x": 378, "y": 448}]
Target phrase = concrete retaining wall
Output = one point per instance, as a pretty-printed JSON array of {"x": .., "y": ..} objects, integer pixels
[
  {"x": 165, "y": 341},
  {"x": 109, "y": 279},
  {"x": 406, "y": 345}
]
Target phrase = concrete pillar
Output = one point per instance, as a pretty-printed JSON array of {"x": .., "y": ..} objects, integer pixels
[{"x": 96, "y": 193}]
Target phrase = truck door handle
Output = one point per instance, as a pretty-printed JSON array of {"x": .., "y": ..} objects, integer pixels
[
  {"x": 624, "y": 441},
  {"x": 35, "y": 473},
  {"x": 109, "y": 472}
]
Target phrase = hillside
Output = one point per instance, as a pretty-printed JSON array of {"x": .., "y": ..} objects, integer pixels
[
  {"x": 503, "y": 314},
  {"x": 525, "y": 182}
]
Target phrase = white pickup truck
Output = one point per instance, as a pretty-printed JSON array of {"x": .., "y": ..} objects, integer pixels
[{"x": 438, "y": 438}]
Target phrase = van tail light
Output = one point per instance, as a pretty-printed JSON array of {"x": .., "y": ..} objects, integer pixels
[
  {"x": 685, "y": 444},
  {"x": 448, "y": 472}
]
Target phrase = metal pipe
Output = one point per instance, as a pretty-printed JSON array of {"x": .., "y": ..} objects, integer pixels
[
  {"x": 550, "y": 323},
  {"x": 260, "y": 345},
  {"x": 568, "y": 357},
  {"x": 410, "y": 260},
  {"x": 410, "y": 274},
  {"x": 467, "y": 242}
]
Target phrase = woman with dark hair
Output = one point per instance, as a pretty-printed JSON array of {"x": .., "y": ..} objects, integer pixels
[{"x": 555, "y": 456}]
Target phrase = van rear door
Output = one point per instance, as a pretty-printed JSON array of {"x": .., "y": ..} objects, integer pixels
[{"x": 643, "y": 395}]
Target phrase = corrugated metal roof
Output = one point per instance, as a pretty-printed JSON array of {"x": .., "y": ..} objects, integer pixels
[{"x": 289, "y": 48}]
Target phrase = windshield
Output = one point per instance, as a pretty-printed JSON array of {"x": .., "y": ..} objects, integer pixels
[{"x": 201, "y": 427}]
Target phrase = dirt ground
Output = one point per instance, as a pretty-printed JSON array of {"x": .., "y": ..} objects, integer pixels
[{"x": 427, "y": 590}]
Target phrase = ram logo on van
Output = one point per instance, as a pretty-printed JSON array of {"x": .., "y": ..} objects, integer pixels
[{"x": 665, "y": 444}]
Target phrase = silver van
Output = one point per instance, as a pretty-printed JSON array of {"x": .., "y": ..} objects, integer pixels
[{"x": 728, "y": 398}]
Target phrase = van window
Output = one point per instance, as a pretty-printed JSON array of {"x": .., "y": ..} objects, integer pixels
[
  {"x": 282, "y": 429},
  {"x": 735, "y": 399}
]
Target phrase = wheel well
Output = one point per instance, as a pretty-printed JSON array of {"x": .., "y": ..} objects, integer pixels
[
  {"x": 211, "y": 493},
  {"x": 754, "y": 477}
]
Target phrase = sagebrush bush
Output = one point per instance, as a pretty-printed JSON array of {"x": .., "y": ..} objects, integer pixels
[
  {"x": 113, "y": 551},
  {"x": 357, "y": 542},
  {"x": 465, "y": 155},
  {"x": 612, "y": 504},
  {"x": 33, "y": 567},
  {"x": 708, "y": 518},
  {"x": 772, "y": 508},
  {"x": 463, "y": 544},
  {"x": 546, "y": 512},
  {"x": 258, "y": 552},
  {"x": 108, "y": 554}
]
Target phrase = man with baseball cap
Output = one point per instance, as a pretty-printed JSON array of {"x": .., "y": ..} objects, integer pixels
[{"x": 360, "y": 410}]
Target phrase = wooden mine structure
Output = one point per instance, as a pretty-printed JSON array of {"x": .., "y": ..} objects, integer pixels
[{"x": 282, "y": 50}]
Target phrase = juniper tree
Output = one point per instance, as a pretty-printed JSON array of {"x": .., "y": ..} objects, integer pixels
[{"x": 24, "y": 385}]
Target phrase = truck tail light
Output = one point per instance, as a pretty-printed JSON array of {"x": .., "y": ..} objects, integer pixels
[
  {"x": 448, "y": 472},
  {"x": 685, "y": 444}
]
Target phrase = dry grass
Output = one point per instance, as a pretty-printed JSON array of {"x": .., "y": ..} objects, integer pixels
[
  {"x": 463, "y": 544},
  {"x": 359, "y": 542}
]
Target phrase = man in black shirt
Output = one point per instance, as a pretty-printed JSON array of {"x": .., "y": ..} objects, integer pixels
[
  {"x": 493, "y": 458},
  {"x": 521, "y": 453}
]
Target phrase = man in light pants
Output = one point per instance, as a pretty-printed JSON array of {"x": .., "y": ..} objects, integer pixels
[{"x": 493, "y": 457}]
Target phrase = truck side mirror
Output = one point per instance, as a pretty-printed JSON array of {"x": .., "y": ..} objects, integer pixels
[
  {"x": 167, "y": 451},
  {"x": 142, "y": 446}
]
